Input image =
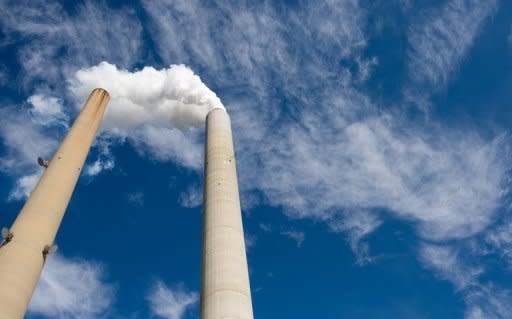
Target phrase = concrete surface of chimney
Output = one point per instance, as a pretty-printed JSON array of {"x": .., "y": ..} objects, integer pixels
[
  {"x": 33, "y": 232},
  {"x": 225, "y": 288}
]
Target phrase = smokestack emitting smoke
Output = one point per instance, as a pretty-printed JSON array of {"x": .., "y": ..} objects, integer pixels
[
  {"x": 177, "y": 97},
  {"x": 225, "y": 288},
  {"x": 173, "y": 97},
  {"x": 31, "y": 236}
]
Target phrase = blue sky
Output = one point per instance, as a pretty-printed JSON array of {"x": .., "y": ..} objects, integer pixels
[{"x": 372, "y": 142}]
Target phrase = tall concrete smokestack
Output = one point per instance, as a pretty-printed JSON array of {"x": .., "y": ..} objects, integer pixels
[
  {"x": 225, "y": 289},
  {"x": 31, "y": 236}
]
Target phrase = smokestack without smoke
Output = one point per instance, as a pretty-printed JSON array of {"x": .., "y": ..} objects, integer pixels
[
  {"x": 27, "y": 243},
  {"x": 225, "y": 288}
]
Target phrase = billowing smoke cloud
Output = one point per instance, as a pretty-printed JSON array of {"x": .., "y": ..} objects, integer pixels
[{"x": 169, "y": 97}]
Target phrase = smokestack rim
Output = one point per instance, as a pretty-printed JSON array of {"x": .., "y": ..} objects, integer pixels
[
  {"x": 218, "y": 119},
  {"x": 215, "y": 109},
  {"x": 101, "y": 91},
  {"x": 212, "y": 113}
]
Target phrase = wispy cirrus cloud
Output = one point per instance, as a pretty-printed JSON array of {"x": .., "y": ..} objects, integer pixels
[
  {"x": 72, "y": 288},
  {"x": 357, "y": 226},
  {"x": 309, "y": 139},
  {"x": 47, "y": 110},
  {"x": 488, "y": 302},
  {"x": 50, "y": 45},
  {"x": 170, "y": 303},
  {"x": 297, "y": 236},
  {"x": 250, "y": 240},
  {"x": 340, "y": 156},
  {"x": 169, "y": 144},
  {"x": 498, "y": 241},
  {"x": 439, "y": 43},
  {"x": 192, "y": 197},
  {"x": 343, "y": 154},
  {"x": 450, "y": 184},
  {"x": 24, "y": 186},
  {"x": 244, "y": 44},
  {"x": 98, "y": 166},
  {"x": 24, "y": 140},
  {"x": 510, "y": 36},
  {"x": 60, "y": 43},
  {"x": 461, "y": 266},
  {"x": 448, "y": 262},
  {"x": 136, "y": 198}
]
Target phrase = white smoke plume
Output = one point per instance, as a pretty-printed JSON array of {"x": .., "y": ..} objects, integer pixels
[{"x": 173, "y": 97}]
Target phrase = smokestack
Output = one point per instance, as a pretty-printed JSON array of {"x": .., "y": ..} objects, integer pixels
[
  {"x": 225, "y": 288},
  {"x": 31, "y": 237}
]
